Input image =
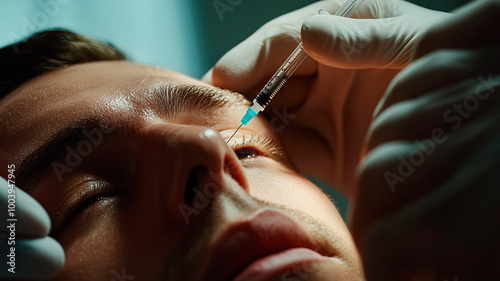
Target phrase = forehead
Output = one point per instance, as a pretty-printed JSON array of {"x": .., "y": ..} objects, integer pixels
[{"x": 44, "y": 105}]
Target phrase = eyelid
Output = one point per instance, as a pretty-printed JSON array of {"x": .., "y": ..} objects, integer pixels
[
  {"x": 68, "y": 212},
  {"x": 264, "y": 143}
]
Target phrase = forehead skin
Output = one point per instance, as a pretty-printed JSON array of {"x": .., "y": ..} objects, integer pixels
[{"x": 44, "y": 105}]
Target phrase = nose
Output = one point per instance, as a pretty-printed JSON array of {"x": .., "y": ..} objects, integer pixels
[{"x": 189, "y": 166}]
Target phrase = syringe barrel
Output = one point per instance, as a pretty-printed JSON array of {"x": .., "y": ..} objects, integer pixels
[
  {"x": 267, "y": 94},
  {"x": 281, "y": 76}
]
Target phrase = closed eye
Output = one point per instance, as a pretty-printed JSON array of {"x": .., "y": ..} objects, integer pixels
[{"x": 93, "y": 192}]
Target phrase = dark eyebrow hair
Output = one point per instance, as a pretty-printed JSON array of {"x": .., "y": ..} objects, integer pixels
[
  {"x": 174, "y": 99},
  {"x": 36, "y": 166}
]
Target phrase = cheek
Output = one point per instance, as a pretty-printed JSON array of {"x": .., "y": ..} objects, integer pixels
[
  {"x": 106, "y": 247},
  {"x": 289, "y": 189},
  {"x": 97, "y": 251}
]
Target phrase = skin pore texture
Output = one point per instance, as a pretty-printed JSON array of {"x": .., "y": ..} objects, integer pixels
[{"x": 158, "y": 138}]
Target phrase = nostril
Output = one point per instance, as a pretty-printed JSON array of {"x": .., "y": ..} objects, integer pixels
[{"x": 192, "y": 183}]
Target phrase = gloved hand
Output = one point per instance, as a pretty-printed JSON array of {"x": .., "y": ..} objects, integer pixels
[
  {"x": 427, "y": 202},
  {"x": 26, "y": 250},
  {"x": 327, "y": 105}
]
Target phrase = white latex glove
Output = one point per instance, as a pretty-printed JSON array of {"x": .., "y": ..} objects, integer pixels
[
  {"x": 427, "y": 203},
  {"x": 36, "y": 256},
  {"x": 322, "y": 113}
]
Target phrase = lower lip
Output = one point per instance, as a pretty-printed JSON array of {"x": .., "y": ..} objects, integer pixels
[{"x": 287, "y": 263}]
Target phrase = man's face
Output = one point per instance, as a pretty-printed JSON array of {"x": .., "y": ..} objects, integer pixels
[{"x": 132, "y": 165}]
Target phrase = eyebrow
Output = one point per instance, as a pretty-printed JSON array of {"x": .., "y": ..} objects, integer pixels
[
  {"x": 36, "y": 166},
  {"x": 171, "y": 100}
]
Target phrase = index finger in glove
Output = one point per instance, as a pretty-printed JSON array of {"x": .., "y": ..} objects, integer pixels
[{"x": 384, "y": 35}]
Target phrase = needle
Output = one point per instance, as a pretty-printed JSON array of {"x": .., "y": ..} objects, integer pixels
[{"x": 234, "y": 133}]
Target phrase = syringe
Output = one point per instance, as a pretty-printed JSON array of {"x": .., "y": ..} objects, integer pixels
[{"x": 288, "y": 68}]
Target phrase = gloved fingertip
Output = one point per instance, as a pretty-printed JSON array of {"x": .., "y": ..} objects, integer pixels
[
  {"x": 32, "y": 259},
  {"x": 33, "y": 220},
  {"x": 324, "y": 37},
  {"x": 48, "y": 254},
  {"x": 208, "y": 76},
  {"x": 54, "y": 255},
  {"x": 314, "y": 36},
  {"x": 241, "y": 67}
]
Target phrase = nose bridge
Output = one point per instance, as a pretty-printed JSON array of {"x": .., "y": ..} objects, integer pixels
[{"x": 192, "y": 165}]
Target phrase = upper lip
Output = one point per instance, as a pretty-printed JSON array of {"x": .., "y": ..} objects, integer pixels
[{"x": 264, "y": 232}]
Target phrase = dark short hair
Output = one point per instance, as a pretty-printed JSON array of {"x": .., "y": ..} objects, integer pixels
[{"x": 49, "y": 50}]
